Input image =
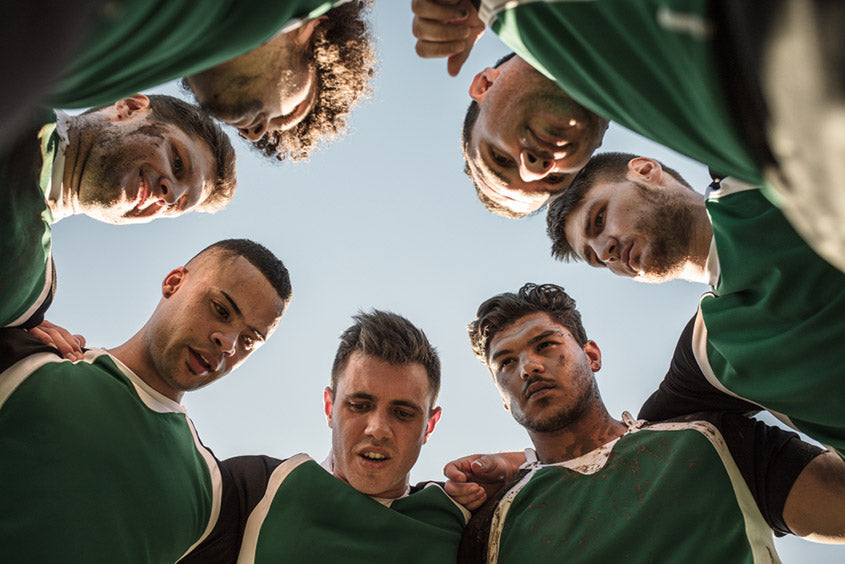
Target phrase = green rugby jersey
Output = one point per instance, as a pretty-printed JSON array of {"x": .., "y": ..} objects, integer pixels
[
  {"x": 138, "y": 44},
  {"x": 665, "y": 492},
  {"x": 296, "y": 511},
  {"x": 26, "y": 271},
  {"x": 772, "y": 331},
  {"x": 96, "y": 466},
  {"x": 649, "y": 65}
]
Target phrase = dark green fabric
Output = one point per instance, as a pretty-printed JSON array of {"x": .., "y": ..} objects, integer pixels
[
  {"x": 314, "y": 517},
  {"x": 776, "y": 324},
  {"x": 663, "y": 496},
  {"x": 617, "y": 59},
  {"x": 138, "y": 44},
  {"x": 25, "y": 234},
  {"x": 90, "y": 474}
]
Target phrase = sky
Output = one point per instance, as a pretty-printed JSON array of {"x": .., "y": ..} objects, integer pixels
[{"x": 383, "y": 218}]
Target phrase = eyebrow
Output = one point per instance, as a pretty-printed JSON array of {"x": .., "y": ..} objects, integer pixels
[
  {"x": 238, "y": 313},
  {"x": 588, "y": 224},
  {"x": 533, "y": 340}
]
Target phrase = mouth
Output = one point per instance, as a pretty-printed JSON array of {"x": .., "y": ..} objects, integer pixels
[
  {"x": 372, "y": 457},
  {"x": 200, "y": 363},
  {"x": 536, "y": 389}
]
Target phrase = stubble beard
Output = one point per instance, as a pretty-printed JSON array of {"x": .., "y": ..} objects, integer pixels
[
  {"x": 563, "y": 417},
  {"x": 669, "y": 227}
]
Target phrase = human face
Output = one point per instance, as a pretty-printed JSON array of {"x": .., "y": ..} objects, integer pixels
[
  {"x": 634, "y": 229},
  {"x": 271, "y": 88},
  {"x": 530, "y": 138},
  {"x": 215, "y": 313},
  {"x": 544, "y": 376},
  {"x": 380, "y": 416},
  {"x": 136, "y": 168}
]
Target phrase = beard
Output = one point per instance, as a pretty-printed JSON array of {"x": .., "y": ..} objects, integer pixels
[
  {"x": 668, "y": 226},
  {"x": 564, "y": 415}
]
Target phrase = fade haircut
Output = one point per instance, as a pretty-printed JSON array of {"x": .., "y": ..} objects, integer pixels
[
  {"x": 258, "y": 256},
  {"x": 198, "y": 125},
  {"x": 345, "y": 60},
  {"x": 466, "y": 136},
  {"x": 502, "y": 310},
  {"x": 602, "y": 168},
  {"x": 391, "y": 338}
]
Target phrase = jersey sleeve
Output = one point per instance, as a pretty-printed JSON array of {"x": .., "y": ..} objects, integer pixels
[
  {"x": 685, "y": 390},
  {"x": 769, "y": 458},
  {"x": 245, "y": 480}
]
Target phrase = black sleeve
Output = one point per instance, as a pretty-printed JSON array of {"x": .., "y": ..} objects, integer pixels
[
  {"x": 17, "y": 344},
  {"x": 245, "y": 481},
  {"x": 685, "y": 390},
  {"x": 768, "y": 457}
]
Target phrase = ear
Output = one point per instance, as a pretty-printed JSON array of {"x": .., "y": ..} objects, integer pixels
[
  {"x": 591, "y": 349},
  {"x": 302, "y": 34},
  {"x": 173, "y": 281},
  {"x": 482, "y": 83},
  {"x": 328, "y": 402},
  {"x": 433, "y": 418},
  {"x": 129, "y": 107},
  {"x": 646, "y": 169}
]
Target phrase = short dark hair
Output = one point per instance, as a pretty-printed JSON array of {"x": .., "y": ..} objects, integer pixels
[
  {"x": 502, "y": 310},
  {"x": 196, "y": 123},
  {"x": 391, "y": 338},
  {"x": 258, "y": 256},
  {"x": 345, "y": 59},
  {"x": 466, "y": 136},
  {"x": 602, "y": 167}
]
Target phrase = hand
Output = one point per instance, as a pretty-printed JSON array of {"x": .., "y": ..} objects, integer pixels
[
  {"x": 70, "y": 346},
  {"x": 472, "y": 479},
  {"x": 446, "y": 28}
]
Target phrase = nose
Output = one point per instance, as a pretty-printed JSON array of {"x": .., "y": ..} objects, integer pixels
[
  {"x": 609, "y": 251},
  {"x": 533, "y": 165},
  {"x": 531, "y": 366},
  {"x": 169, "y": 190},
  {"x": 225, "y": 341},
  {"x": 256, "y": 130},
  {"x": 378, "y": 425}
]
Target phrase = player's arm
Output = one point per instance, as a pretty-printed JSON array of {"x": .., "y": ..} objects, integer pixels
[
  {"x": 799, "y": 488},
  {"x": 815, "y": 506},
  {"x": 446, "y": 28},
  {"x": 685, "y": 390},
  {"x": 473, "y": 479}
]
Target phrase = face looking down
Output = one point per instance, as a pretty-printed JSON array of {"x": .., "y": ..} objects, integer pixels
[{"x": 380, "y": 416}]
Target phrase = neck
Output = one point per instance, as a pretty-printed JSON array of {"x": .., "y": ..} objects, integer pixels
[
  {"x": 701, "y": 235},
  {"x": 583, "y": 435},
  {"x": 76, "y": 150},
  {"x": 134, "y": 354}
]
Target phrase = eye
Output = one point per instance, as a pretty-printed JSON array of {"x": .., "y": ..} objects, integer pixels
[
  {"x": 499, "y": 158},
  {"x": 178, "y": 165},
  {"x": 404, "y": 414},
  {"x": 598, "y": 221},
  {"x": 221, "y": 311},
  {"x": 505, "y": 362},
  {"x": 358, "y": 406}
]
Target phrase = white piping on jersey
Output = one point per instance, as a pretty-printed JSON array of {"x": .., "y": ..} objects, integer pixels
[
  {"x": 14, "y": 376},
  {"x": 216, "y": 486},
  {"x": 699, "y": 351},
  {"x": 45, "y": 291},
  {"x": 259, "y": 514},
  {"x": 712, "y": 269},
  {"x": 490, "y": 9}
]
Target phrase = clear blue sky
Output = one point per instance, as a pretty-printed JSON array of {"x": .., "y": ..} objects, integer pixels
[{"x": 383, "y": 218}]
